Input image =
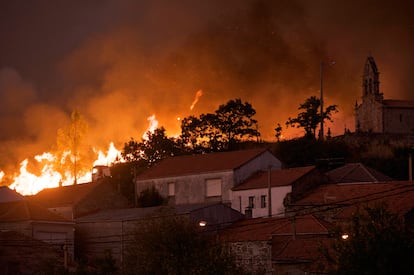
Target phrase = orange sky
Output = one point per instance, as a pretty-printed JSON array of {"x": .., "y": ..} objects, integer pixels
[{"x": 119, "y": 62}]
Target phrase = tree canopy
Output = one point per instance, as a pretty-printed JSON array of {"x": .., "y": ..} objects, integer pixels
[
  {"x": 71, "y": 150},
  {"x": 230, "y": 124},
  {"x": 151, "y": 150},
  {"x": 170, "y": 244},
  {"x": 311, "y": 116},
  {"x": 377, "y": 243}
]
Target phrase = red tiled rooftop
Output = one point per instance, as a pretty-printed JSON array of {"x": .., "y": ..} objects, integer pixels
[
  {"x": 355, "y": 172},
  {"x": 7, "y": 195},
  {"x": 25, "y": 210},
  {"x": 63, "y": 195},
  {"x": 398, "y": 196},
  {"x": 277, "y": 178},
  {"x": 261, "y": 229},
  {"x": 306, "y": 248},
  {"x": 345, "y": 192},
  {"x": 201, "y": 163}
]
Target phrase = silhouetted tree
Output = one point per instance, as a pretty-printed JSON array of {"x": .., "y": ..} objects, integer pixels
[
  {"x": 150, "y": 197},
  {"x": 230, "y": 124},
  {"x": 278, "y": 131},
  {"x": 377, "y": 243},
  {"x": 153, "y": 149},
  {"x": 71, "y": 152},
  {"x": 310, "y": 118},
  {"x": 171, "y": 244}
]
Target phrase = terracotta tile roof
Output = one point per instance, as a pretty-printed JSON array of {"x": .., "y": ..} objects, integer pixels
[
  {"x": 398, "y": 103},
  {"x": 116, "y": 215},
  {"x": 347, "y": 192},
  {"x": 64, "y": 195},
  {"x": 302, "y": 249},
  {"x": 201, "y": 163},
  {"x": 355, "y": 172},
  {"x": 25, "y": 210},
  {"x": 398, "y": 196},
  {"x": 6, "y": 195},
  {"x": 278, "y": 178},
  {"x": 261, "y": 229}
]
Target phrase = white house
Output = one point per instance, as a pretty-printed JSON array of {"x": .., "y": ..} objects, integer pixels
[
  {"x": 205, "y": 177},
  {"x": 252, "y": 196}
]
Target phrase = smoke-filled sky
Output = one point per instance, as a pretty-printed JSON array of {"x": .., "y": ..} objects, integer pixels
[{"x": 120, "y": 61}]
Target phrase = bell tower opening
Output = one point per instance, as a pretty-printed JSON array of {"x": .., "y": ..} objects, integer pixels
[{"x": 370, "y": 80}]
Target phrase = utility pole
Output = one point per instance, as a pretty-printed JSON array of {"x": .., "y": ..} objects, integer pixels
[
  {"x": 321, "y": 132},
  {"x": 269, "y": 190}
]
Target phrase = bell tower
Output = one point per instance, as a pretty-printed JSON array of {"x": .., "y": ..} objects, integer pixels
[{"x": 370, "y": 81}]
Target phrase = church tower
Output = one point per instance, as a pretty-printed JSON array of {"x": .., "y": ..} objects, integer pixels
[
  {"x": 368, "y": 114},
  {"x": 370, "y": 81},
  {"x": 378, "y": 115}
]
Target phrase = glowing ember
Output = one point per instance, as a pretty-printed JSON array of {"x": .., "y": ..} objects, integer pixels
[
  {"x": 153, "y": 124},
  {"x": 196, "y": 98}
]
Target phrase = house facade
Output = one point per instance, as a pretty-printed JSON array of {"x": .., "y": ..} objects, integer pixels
[
  {"x": 252, "y": 197},
  {"x": 205, "y": 178},
  {"x": 378, "y": 115}
]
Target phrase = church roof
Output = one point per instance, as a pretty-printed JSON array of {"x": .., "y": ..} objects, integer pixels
[{"x": 394, "y": 103}]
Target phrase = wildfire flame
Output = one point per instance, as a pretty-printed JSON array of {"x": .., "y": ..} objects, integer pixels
[
  {"x": 112, "y": 155},
  {"x": 28, "y": 183},
  {"x": 198, "y": 94},
  {"x": 153, "y": 124}
]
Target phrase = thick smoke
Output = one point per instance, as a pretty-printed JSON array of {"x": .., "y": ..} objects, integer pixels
[{"x": 119, "y": 62}]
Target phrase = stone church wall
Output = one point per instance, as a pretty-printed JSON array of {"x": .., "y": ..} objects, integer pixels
[{"x": 399, "y": 120}]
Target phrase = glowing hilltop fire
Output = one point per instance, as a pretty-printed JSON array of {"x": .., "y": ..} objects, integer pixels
[
  {"x": 196, "y": 98},
  {"x": 28, "y": 183}
]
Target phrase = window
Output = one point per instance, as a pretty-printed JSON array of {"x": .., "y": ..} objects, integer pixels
[
  {"x": 263, "y": 201},
  {"x": 171, "y": 189},
  {"x": 213, "y": 187},
  {"x": 251, "y": 202}
]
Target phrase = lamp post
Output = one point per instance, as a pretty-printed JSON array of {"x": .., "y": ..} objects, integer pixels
[
  {"x": 269, "y": 190},
  {"x": 321, "y": 134}
]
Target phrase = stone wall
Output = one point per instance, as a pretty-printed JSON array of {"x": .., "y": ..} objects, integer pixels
[{"x": 253, "y": 256}]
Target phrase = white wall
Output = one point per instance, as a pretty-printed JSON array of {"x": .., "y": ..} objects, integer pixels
[
  {"x": 260, "y": 163},
  {"x": 278, "y": 195}
]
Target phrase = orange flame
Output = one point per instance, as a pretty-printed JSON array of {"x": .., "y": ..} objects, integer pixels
[
  {"x": 111, "y": 156},
  {"x": 196, "y": 98},
  {"x": 27, "y": 183},
  {"x": 153, "y": 124}
]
